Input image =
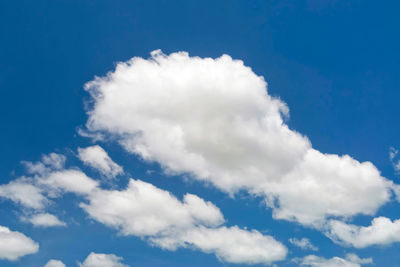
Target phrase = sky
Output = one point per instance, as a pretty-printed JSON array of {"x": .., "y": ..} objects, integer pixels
[{"x": 199, "y": 133}]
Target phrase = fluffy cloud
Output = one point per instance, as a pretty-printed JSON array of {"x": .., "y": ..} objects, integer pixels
[
  {"x": 328, "y": 185},
  {"x": 33, "y": 192},
  {"x": 50, "y": 179},
  {"x": 151, "y": 213},
  {"x": 303, "y": 243},
  {"x": 214, "y": 119},
  {"x": 102, "y": 260},
  {"x": 143, "y": 209},
  {"x": 23, "y": 192},
  {"x": 54, "y": 263},
  {"x": 45, "y": 220},
  {"x": 67, "y": 181},
  {"x": 14, "y": 245},
  {"x": 382, "y": 231},
  {"x": 352, "y": 260},
  {"x": 229, "y": 244},
  {"x": 96, "y": 157}
]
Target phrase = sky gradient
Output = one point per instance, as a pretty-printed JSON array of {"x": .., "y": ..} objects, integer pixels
[{"x": 269, "y": 122}]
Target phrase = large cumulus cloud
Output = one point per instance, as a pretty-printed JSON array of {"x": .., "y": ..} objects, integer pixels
[{"x": 214, "y": 120}]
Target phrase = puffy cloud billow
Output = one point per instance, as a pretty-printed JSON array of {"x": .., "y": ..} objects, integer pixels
[
  {"x": 154, "y": 214},
  {"x": 102, "y": 260},
  {"x": 14, "y": 245},
  {"x": 382, "y": 231},
  {"x": 213, "y": 120}
]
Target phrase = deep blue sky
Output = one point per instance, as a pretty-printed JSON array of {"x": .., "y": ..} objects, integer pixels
[{"x": 335, "y": 63}]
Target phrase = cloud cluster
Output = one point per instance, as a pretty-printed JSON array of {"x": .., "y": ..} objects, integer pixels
[
  {"x": 148, "y": 212},
  {"x": 154, "y": 214},
  {"x": 14, "y": 245},
  {"x": 49, "y": 180},
  {"x": 214, "y": 120},
  {"x": 211, "y": 120}
]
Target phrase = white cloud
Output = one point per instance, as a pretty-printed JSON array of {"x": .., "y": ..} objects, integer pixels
[
  {"x": 23, "y": 192},
  {"x": 328, "y": 185},
  {"x": 303, "y": 243},
  {"x": 96, "y": 157},
  {"x": 354, "y": 258},
  {"x": 102, "y": 260},
  {"x": 382, "y": 231},
  {"x": 160, "y": 218},
  {"x": 213, "y": 119},
  {"x": 14, "y": 245},
  {"x": 49, "y": 180},
  {"x": 45, "y": 220},
  {"x": 70, "y": 181},
  {"x": 54, "y": 263},
  {"x": 229, "y": 244},
  {"x": 143, "y": 209},
  {"x": 351, "y": 260},
  {"x": 155, "y": 215}
]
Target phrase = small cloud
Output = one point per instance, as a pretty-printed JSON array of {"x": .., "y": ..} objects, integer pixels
[
  {"x": 393, "y": 152},
  {"x": 350, "y": 260},
  {"x": 303, "y": 243},
  {"x": 105, "y": 260},
  {"x": 54, "y": 263},
  {"x": 97, "y": 158},
  {"x": 44, "y": 220}
]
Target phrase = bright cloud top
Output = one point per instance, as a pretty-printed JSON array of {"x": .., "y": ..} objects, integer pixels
[
  {"x": 213, "y": 119},
  {"x": 14, "y": 245},
  {"x": 102, "y": 260},
  {"x": 54, "y": 263},
  {"x": 97, "y": 157}
]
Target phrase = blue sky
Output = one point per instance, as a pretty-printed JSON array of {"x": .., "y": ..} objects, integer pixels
[{"x": 334, "y": 64}]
